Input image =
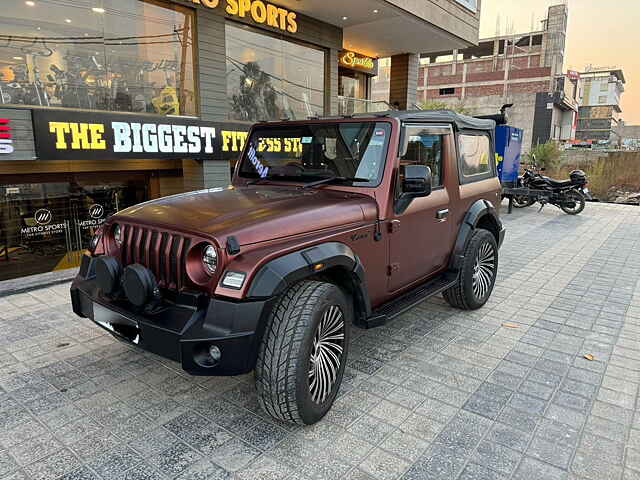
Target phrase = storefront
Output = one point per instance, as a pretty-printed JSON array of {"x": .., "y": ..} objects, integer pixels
[
  {"x": 355, "y": 72},
  {"x": 68, "y": 69},
  {"x": 69, "y": 173}
]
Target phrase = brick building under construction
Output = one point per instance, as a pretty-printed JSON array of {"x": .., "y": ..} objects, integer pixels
[{"x": 523, "y": 69}]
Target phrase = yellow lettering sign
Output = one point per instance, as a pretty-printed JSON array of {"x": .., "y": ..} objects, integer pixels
[
  {"x": 353, "y": 60},
  {"x": 84, "y": 136},
  {"x": 259, "y": 11},
  {"x": 59, "y": 129},
  {"x": 233, "y": 141}
]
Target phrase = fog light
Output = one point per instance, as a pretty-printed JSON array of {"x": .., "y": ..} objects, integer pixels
[{"x": 215, "y": 353}]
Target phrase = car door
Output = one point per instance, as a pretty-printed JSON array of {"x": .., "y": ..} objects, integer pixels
[{"x": 421, "y": 237}]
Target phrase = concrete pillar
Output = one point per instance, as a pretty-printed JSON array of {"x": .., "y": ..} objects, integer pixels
[
  {"x": 454, "y": 67},
  {"x": 331, "y": 83},
  {"x": 403, "y": 88},
  {"x": 212, "y": 69}
]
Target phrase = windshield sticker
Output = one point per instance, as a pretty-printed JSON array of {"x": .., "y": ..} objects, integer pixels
[
  {"x": 379, "y": 133},
  {"x": 262, "y": 170},
  {"x": 307, "y": 139}
]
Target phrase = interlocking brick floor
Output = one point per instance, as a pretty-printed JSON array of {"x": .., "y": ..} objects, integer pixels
[{"x": 436, "y": 394}]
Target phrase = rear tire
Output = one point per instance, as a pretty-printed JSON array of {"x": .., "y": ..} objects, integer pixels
[
  {"x": 303, "y": 353},
  {"x": 477, "y": 276},
  {"x": 573, "y": 202}
]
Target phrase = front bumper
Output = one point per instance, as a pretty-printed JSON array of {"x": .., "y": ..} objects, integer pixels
[{"x": 182, "y": 330}]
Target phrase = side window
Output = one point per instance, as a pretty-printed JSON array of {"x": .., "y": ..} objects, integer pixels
[
  {"x": 475, "y": 156},
  {"x": 424, "y": 146}
]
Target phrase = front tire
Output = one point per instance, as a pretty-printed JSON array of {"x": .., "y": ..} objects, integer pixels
[
  {"x": 572, "y": 202},
  {"x": 303, "y": 353},
  {"x": 477, "y": 276}
]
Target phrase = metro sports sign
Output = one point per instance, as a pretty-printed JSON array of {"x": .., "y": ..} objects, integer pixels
[{"x": 105, "y": 136}]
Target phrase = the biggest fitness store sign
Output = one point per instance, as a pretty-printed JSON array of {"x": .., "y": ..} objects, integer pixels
[{"x": 106, "y": 136}]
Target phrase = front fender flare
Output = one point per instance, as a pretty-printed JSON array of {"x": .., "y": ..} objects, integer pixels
[{"x": 277, "y": 275}]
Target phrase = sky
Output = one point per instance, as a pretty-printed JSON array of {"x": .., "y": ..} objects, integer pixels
[{"x": 600, "y": 32}]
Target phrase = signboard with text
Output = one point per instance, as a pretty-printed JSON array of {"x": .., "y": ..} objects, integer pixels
[
  {"x": 359, "y": 62},
  {"x": 60, "y": 135}
]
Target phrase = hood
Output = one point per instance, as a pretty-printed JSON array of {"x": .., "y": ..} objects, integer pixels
[{"x": 253, "y": 214}]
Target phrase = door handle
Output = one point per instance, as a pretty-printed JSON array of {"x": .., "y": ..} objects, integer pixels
[{"x": 442, "y": 214}]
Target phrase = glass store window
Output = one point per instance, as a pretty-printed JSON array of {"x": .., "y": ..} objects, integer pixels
[
  {"x": 269, "y": 78},
  {"x": 46, "y": 226},
  {"x": 119, "y": 55}
]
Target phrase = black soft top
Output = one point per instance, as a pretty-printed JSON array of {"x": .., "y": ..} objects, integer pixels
[{"x": 462, "y": 122}]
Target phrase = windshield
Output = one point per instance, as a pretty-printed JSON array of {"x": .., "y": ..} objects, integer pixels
[{"x": 352, "y": 152}]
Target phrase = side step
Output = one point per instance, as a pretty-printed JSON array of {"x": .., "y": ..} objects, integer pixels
[{"x": 390, "y": 310}]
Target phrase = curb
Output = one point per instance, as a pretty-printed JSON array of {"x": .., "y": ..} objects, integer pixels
[{"x": 36, "y": 282}]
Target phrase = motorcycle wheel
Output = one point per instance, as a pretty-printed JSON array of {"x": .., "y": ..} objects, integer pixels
[
  {"x": 520, "y": 201},
  {"x": 572, "y": 202}
]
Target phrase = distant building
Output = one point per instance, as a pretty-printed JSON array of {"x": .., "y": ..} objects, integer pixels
[
  {"x": 524, "y": 69},
  {"x": 599, "y": 118},
  {"x": 630, "y": 137}
]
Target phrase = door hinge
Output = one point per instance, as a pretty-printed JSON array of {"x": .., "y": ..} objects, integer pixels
[
  {"x": 394, "y": 226},
  {"x": 393, "y": 268}
]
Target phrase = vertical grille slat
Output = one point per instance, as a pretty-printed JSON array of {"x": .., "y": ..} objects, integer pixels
[
  {"x": 141, "y": 247},
  {"x": 154, "y": 259},
  {"x": 164, "y": 253},
  {"x": 137, "y": 247},
  {"x": 168, "y": 262},
  {"x": 162, "y": 267},
  {"x": 183, "y": 260},
  {"x": 129, "y": 246},
  {"x": 177, "y": 258}
]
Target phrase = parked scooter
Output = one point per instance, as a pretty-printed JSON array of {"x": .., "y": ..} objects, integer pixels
[{"x": 568, "y": 195}]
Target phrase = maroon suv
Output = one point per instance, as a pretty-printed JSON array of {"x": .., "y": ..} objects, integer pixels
[{"x": 328, "y": 222}]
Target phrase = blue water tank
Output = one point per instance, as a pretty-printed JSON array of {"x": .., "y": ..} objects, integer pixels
[{"x": 509, "y": 152}]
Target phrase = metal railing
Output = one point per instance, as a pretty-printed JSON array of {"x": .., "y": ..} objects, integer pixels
[{"x": 350, "y": 106}]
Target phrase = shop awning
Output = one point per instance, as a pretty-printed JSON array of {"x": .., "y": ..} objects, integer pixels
[{"x": 382, "y": 28}]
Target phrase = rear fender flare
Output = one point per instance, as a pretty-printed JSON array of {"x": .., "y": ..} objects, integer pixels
[{"x": 479, "y": 210}]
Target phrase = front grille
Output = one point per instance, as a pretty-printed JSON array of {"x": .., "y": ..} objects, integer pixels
[{"x": 164, "y": 253}]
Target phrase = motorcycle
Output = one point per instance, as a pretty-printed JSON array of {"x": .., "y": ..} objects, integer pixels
[{"x": 568, "y": 195}]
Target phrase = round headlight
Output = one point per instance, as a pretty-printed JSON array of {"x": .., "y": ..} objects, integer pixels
[
  {"x": 117, "y": 234},
  {"x": 210, "y": 259}
]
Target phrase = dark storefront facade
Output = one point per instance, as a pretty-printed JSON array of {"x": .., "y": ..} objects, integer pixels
[{"x": 96, "y": 95}]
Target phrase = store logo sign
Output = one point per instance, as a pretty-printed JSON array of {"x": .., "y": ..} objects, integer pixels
[
  {"x": 96, "y": 211},
  {"x": 6, "y": 139},
  {"x": 356, "y": 61},
  {"x": 43, "y": 216},
  {"x": 260, "y": 12}
]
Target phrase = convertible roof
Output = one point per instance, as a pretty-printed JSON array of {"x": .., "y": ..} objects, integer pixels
[{"x": 462, "y": 122}]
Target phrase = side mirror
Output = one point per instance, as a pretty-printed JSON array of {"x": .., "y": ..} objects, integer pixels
[
  {"x": 416, "y": 184},
  {"x": 417, "y": 181}
]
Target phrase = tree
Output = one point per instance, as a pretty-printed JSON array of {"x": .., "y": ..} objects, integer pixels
[
  {"x": 436, "y": 105},
  {"x": 545, "y": 155}
]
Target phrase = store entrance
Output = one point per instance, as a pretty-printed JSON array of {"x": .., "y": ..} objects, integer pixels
[
  {"x": 47, "y": 221},
  {"x": 353, "y": 91}
]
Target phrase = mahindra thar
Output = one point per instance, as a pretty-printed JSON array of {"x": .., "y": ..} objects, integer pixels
[{"x": 328, "y": 222}]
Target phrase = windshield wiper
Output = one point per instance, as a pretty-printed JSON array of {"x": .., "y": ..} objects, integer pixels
[
  {"x": 262, "y": 179},
  {"x": 334, "y": 178}
]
